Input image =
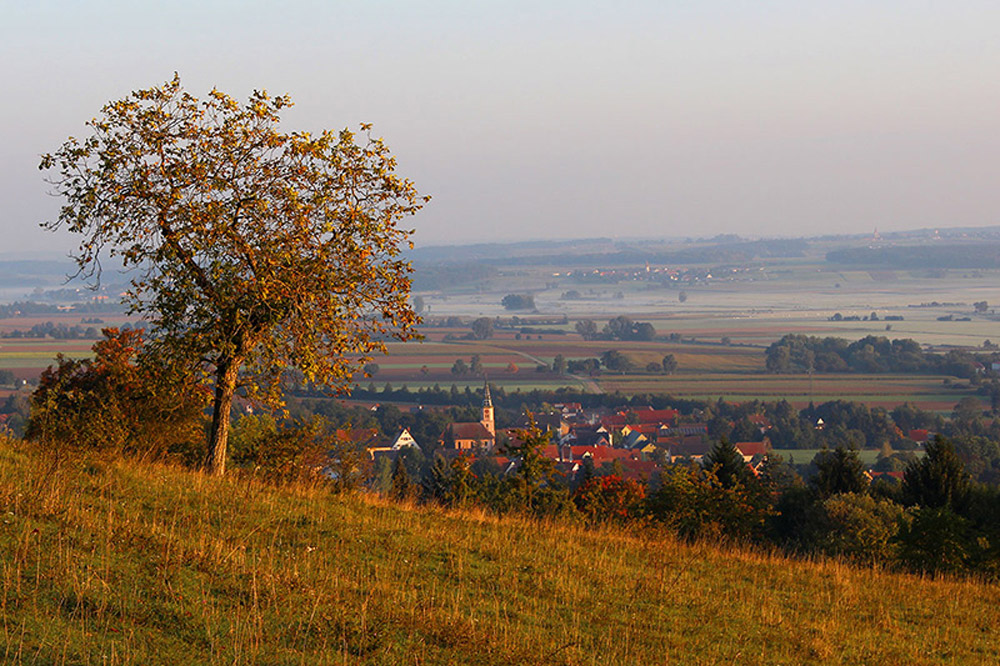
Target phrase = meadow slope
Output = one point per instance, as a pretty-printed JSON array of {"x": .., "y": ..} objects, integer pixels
[{"x": 118, "y": 562}]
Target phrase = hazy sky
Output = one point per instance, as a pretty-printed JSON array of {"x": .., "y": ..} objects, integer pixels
[{"x": 548, "y": 119}]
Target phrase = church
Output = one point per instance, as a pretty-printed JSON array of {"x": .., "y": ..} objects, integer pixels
[{"x": 473, "y": 436}]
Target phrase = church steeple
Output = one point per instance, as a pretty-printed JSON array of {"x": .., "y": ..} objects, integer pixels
[{"x": 487, "y": 418}]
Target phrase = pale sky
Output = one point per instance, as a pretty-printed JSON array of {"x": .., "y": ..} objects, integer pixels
[{"x": 554, "y": 119}]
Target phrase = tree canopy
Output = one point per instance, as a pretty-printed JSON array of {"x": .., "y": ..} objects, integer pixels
[{"x": 253, "y": 250}]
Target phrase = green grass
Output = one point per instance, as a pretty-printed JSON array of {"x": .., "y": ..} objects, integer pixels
[
  {"x": 117, "y": 562},
  {"x": 801, "y": 456},
  {"x": 925, "y": 391}
]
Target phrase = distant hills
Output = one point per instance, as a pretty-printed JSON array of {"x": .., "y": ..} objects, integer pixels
[{"x": 940, "y": 255}]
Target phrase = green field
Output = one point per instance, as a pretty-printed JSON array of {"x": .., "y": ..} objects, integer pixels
[
  {"x": 929, "y": 392},
  {"x": 115, "y": 562},
  {"x": 801, "y": 456}
]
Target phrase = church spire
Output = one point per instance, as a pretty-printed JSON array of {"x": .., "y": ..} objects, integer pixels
[{"x": 487, "y": 416}]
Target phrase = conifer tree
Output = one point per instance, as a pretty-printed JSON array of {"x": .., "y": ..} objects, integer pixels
[
  {"x": 402, "y": 485},
  {"x": 727, "y": 462},
  {"x": 438, "y": 481},
  {"x": 839, "y": 471},
  {"x": 938, "y": 479}
]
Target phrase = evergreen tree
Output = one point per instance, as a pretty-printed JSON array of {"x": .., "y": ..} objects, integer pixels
[
  {"x": 436, "y": 484},
  {"x": 839, "y": 471},
  {"x": 938, "y": 479},
  {"x": 382, "y": 480},
  {"x": 727, "y": 462},
  {"x": 587, "y": 471},
  {"x": 402, "y": 485}
]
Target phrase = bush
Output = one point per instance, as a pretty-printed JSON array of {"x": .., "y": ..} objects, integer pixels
[
  {"x": 309, "y": 450},
  {"x": 124, "y": 400},
  {"x": 936, "y": 541},
  {"x": 859, "y": 527},
  {"x": 609, "y": 498},
  {"x": 695, "y": 504}
]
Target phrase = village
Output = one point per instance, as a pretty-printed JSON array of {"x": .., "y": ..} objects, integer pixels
[{"x": 634, "y": 443}]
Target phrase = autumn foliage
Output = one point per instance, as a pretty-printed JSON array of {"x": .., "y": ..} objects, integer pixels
[
  {"x": 121, "y": 400},
  {"x": 609, "y": 497}
]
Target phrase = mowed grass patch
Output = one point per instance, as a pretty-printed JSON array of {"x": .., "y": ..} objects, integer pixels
[
  {"x": 110, "y": 561},
  {"x": 882, "y": 389},
  {"x": 800, "y": 456}
]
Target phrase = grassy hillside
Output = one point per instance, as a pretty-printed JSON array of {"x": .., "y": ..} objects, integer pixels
[{"x": 116, "y": 562}]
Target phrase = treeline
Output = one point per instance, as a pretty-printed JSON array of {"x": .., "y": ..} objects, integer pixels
[
  {"x": 618, "y": 328},
  {"x": 871, "y": 354},
  {"x": 433, "y": 277},
  {"x": 623, "y": 254},
  {"x": 33, "y": 309},
  {"x": 971, "y": 255},
  {"x": 55, "y": 331}
]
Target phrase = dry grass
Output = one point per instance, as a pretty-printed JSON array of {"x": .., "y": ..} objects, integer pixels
[{"x": 118, "y": 563}]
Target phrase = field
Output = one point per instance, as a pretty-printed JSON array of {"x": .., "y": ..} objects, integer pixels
[
  {"x": 706, "y": 371},
  {"x": 888, "y": 391},
  {"x": 120, "y": 563},
  {"x": 748, "y": 308},
  {"x": 26, "y": 358}
]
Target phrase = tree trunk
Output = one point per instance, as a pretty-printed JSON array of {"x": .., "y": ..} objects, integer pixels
[{"x": 225, "y": 388}]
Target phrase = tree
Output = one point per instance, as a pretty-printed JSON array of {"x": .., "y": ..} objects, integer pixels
[
  {"x": 615, "y": 360},
  {"x": 476, "y": 365},
  {"x": 727, "y": 462},
  {"x": 402, "y": 486},
  {"x": 620, "y": 327},
  {"x": 559, "y": 364},
  {"x": 252, "y": 250},
  {"x": 938, "y": 479},
  {"x": 682, "y": 297},
  {"x": 644, "y": 331},
  {"x": 418, "y": 304},
  {"x": 459, "y": 367},
  {"x": 669, "y": 364},
  {"x": 857, "y": 526},
  {"x": 609, "y": 497},
  {"x": 534, "y": 468},
  {"x": 518, "y": 302},
  {"x": 587, "y": 328},
  {"x": 482, "y": 328},
  {"x": 839, "y": 471},
  {"x": 967, "y": 409}
]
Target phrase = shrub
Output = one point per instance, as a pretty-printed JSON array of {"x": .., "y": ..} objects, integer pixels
[
  {"x": 124, "y": 400},
  {"x": 609, "y": 498},
  {"x": 859, "y": 527}
]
